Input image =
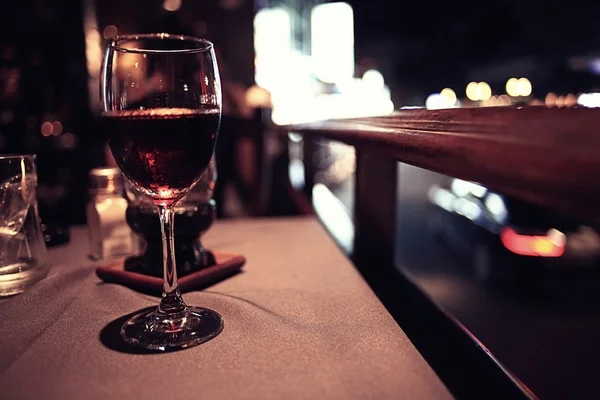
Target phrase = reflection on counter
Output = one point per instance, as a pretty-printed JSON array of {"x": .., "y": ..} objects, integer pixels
[{"x": 506, "y": 239}]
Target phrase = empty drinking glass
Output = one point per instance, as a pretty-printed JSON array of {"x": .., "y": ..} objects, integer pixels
[{"x": 22, "y": 247}]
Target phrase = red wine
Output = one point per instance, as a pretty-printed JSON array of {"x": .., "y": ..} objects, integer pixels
[{"x": 163, "y": 151}]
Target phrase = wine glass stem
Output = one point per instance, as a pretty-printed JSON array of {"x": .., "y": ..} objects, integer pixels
[{"x": 171, "y": 301}]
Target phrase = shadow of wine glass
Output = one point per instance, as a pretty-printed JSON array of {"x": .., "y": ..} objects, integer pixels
[
  {"x": 155, "y": 291},
  {"x": 110, "y": 335}
]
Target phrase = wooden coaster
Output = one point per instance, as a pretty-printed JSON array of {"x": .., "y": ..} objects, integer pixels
[{"x": 227, "y": 264}]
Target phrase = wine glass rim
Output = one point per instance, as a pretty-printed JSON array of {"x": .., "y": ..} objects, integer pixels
[{"x": 114, "y": 43}]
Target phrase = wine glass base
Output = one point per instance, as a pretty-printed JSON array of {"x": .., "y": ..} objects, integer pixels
[{"x": 154, "y": 330}]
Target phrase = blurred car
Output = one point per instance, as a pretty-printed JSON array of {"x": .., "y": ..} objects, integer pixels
[{"x": 506, "y": 238}]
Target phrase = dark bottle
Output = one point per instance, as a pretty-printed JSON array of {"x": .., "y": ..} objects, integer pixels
[
  {"x": 194, "y": 215},
  {"x": 191, "y": 221}
]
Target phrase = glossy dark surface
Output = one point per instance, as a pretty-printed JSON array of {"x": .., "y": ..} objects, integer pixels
[{"x": 542, "y": 324}]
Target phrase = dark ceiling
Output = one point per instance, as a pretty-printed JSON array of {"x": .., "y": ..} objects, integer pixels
[{"x": 421, "y": 46}]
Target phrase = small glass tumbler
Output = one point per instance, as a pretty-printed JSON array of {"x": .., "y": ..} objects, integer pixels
[{"x": 23, "y": 257}]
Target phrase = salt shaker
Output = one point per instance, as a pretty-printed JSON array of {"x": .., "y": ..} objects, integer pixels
[{"x": 110, "y": 236}]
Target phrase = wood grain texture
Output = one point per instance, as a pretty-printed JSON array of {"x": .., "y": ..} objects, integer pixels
[{"x": 550, "y": 157}]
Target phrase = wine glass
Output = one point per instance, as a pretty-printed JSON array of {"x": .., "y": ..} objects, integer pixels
[{"x": 161, "y": 110}]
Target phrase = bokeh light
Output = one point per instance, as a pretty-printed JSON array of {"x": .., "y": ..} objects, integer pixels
[
  {"x": 524, "y": 87},
  {"x": 479, "y": 91},
  {"x": 449, "y": 95},
  {"x": 57, "y": 128},
  {"x": 373, "y": 79},
  {"x": 550, "y": 99},
  {"x": 504, "y": 100},
  {"x": 570, "y": 100},
  {"x": 172, "y": 5},
  {"x": 110, "y": 31},
  {"x": 46, "y": 128},
  {"x": 484, "y": 90},
  {"x": 512, "y": 87},
  {"x": 472, "y": 91},
  {"x": 591, "y": 100}
]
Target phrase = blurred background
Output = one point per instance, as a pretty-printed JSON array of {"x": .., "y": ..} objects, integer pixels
[{"x": 522, "y": 279}]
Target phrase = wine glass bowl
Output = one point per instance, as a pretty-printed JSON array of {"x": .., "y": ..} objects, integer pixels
[
  {"x": 161, "y": 111},
  {"x": 161, "y": 99}
]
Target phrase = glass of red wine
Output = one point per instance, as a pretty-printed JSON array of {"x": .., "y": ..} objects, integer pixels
[{"x": 161, "y": 110}]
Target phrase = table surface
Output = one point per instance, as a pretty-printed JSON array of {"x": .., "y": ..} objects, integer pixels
[{"x": 300, "y": 323}]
